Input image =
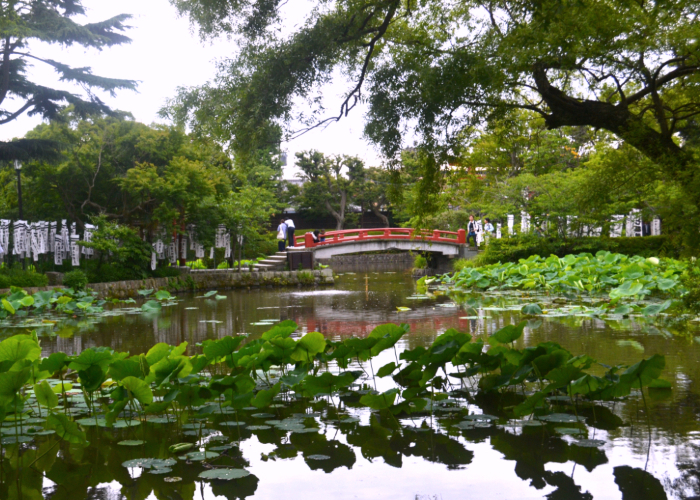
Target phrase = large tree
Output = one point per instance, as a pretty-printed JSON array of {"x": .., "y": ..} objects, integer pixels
[
  {"x": 127, "y": 171},
  {"x": 329, "y": 182},
  {"x": 631, "y": 67},
  {"x": 28, "y": 22}
]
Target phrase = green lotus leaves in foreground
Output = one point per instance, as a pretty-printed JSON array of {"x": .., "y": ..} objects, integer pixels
[{"x": 120, "y": 394}]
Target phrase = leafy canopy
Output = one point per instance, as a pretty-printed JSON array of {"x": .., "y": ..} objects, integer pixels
[{"x": 23, "y": 24}]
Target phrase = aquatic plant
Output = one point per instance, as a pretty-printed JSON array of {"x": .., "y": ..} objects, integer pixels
[
  {"x": 236, "y": 372},
  {"x": 240, "y": 379},
  {"x": 618, "y": 275},
  {"x": 69, "y": 301},
  {"x": 65, "y": 300}
]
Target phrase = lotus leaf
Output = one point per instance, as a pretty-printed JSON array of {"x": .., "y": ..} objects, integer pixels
[
  {"x": 198, "y": 456},
  {"x": 151, "y": 305},
  {"x": 589, "y": 443},
  {"x": 257, "y": 428},
  {"x": 560, "y": 418},
  {"x": 569, "y": 431},
  {"x": 224, "y": 474},
  {"x": 66, "y": 429},
  {"x": 16, "y": 439},
  {"x": 160, "y": 470},
  {"x": 150, "y": 463}
]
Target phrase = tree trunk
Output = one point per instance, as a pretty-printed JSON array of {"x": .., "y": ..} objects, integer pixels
[
  {"x": 378, "y": 213},
  {"x": 616, "y": 118},
  {"x": 338, "y": 216}
]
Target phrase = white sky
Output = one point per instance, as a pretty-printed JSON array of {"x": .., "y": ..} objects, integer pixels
[{"x": 164, "y": 55}]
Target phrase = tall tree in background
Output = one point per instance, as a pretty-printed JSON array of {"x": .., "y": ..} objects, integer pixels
[
  {"x": 372, "y": 191},
  {"x": 50, "y": 21},
  {"x": 329, "y": 182}
]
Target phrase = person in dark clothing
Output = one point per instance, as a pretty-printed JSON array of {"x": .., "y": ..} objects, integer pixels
[
  {"x": 471, "y": 230},
  {"x": 316, "y": 236},
  {"x": 290, "y": 232},
  {"x": 322, "y": 236}
]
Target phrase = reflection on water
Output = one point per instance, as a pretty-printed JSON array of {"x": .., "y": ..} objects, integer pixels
[{"x": 346, "y": 452}]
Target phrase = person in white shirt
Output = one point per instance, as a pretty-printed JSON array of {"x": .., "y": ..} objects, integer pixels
[
  {"x": 281, "y": 235},
  {"x": 488, "y": 230},
  {"x": 290, "y": 232}
]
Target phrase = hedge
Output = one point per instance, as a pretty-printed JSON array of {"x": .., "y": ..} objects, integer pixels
[
  {"x": 521, "y": 247},
  {"x": 18, "y": 277}
]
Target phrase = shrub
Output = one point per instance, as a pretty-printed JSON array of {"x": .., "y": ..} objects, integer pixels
[
  {"x": 690, "y": 279},
  {"x": 123, "y": 247},
  {"x": 21, "y": 278},
  {"x": 108, "y": 272},
  {"x": 522, "y": 247},
  {"x": 75, "y": 280},
  {"x": 420, "y": 262},
  {"x": 166, "y": 272},
  {"x": 196, "y": 264}
]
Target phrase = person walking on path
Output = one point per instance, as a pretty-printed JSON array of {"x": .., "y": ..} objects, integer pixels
[
  {"x": 281, "y": 236},
  {"x": 290, "y": 232},
  {"x": 471, "y": 230},
  {"x": 488, "y": 230}
]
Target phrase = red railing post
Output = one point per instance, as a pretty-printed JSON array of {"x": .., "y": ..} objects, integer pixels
[
  {"x": 309, "y": 240},
  {"x": 462, "y": 237},
  {"x": 436, "y": 235}
]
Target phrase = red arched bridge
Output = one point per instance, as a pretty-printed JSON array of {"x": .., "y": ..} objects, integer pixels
[{"x": 448, "y": 243}]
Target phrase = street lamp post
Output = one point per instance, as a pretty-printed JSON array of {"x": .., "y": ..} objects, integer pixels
[{"x": 18, "y": 168}]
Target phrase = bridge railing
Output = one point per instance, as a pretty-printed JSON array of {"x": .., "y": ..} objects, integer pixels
[{"x": 392, "y": 233}]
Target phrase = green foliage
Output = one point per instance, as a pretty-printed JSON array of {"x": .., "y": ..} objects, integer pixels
[
  {"x": 617, "y": 274},
  {"x": 75, "y": 280},
  {"x": 167, "y": 387},
  {"x": 127, "y": 253},
  {"x": 459, "y": 264},
  {"x": 73, "y": 302},
  {"x": 15, "y": 276},
  {"x": 690, "y": 280},
  {"x": 166, "y": 272},
  {"x": 523, "y": 246},
  {"x": 420, "y": 262},
  {"x": 246, "y": 211},
  {"x": 306, "y": 278},
  {"x": 47, "y": 21},
  {"x": 329, "y": 183},
  {"x": 574, "y": 75},
  {"x": 140, "y": 176}
]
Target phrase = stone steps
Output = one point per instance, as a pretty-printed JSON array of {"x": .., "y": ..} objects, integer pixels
[{"x": 275, "y": 262}]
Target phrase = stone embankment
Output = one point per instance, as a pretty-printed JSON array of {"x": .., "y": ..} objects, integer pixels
[{"x": 206, "y": 279}]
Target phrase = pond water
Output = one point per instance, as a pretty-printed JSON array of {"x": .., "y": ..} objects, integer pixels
[{"x": 334, "y": 448}]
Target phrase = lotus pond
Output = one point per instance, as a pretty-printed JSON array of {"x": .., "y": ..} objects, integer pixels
[{"x": 477, "y": 394}]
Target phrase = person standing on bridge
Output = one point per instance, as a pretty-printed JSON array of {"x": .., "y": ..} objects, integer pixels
[
  {"x": 471, "y": 230},
  {"x": 281, "y": 235},
  {"x": 290, "y": 232}
]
